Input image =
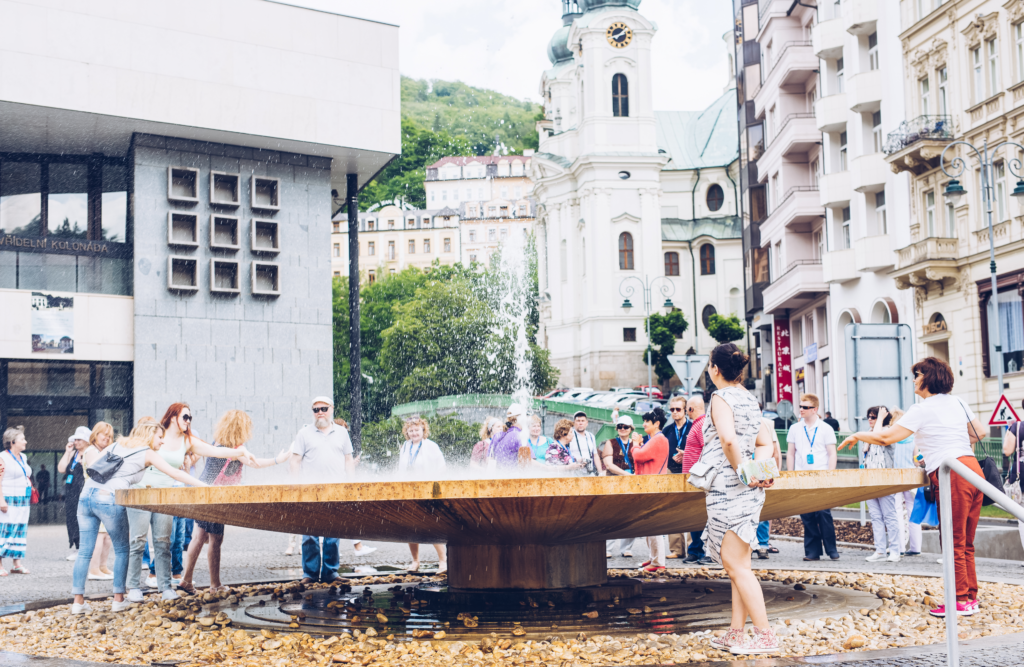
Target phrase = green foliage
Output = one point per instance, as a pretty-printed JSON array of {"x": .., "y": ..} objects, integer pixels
[
  {"x": 664, "y": 331},
  {"x": 725, "y": 329},
  {"x": 341, "y": 345},
  {"x": 382, "y": 439}
]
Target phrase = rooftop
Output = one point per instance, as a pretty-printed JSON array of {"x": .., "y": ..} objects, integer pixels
[
  {"x": 707, "y": 138},
  {"x": 676, "y": 229}
]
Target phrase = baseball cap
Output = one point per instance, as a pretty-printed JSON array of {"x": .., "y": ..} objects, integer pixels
[
  {"x": 625, "y": 420},
  {"x": 581, "y": 413},
  {"x": 515, "y": 410},
  {"x": 323, "y": 399}
]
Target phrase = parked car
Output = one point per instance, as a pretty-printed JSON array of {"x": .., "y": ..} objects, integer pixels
[
  {"x": 653, "y": 392},
  {"x": 575, "y": 393},
  {"x": 555, "y": 393}
]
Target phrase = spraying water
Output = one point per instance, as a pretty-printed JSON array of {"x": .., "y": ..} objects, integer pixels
[{"x": 512, "y": 291}]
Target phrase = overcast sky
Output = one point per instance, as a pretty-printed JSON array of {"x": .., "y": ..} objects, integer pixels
[{"x": 503, "y": 45}]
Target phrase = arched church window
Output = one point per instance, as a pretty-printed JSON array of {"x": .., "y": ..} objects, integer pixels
[
  {"x": 620, "y": 96},
  {"x": 626, "y": 251},
  {"x": 707, "y": 260},
  {"x": 705, "y": 315},
  {"x": 716, "y": 197},
  {"x": 671, "y": 263}
]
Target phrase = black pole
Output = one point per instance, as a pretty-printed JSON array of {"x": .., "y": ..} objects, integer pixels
[{"x": 355, "y": 379}]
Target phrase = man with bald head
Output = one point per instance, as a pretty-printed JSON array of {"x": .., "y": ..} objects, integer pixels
[{"x": 694, "y": 446}]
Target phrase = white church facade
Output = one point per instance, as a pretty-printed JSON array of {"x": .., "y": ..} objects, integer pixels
[{"x": 628, "y": 196}]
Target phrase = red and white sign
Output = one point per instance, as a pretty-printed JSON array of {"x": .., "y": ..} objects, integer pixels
[
  {"x": 1003, "y": 414},
  {"x": 783, "y": 362}
]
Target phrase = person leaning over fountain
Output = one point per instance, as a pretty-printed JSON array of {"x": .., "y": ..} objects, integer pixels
[
  {"x": 505, "y": 446},
  {"x": 677, "y": 430},
  {"x": 559, "y": 452},
  {"x": 422, "y": 457},
  {"x": 812, "y": 446},
  {"x": 651, "y": 458},
  {"x": 321, "y": 453},
  {"x": 733, "y": 434}
]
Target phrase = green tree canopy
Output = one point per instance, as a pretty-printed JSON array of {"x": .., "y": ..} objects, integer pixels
[
  {"x": 665, "y": 329},
  {"x": 725, "y": 329}
]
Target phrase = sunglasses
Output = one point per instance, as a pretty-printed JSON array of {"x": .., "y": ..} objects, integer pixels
[
  {"x": 323, "y": 409},
  {"x": 918, "y": 374},
  {"x": 675, "y": 409},
  {"x": 872, "y": 417},
  {"x": 623, "y": 427},
  {"x": 807, "y": 407},
  {"x": 186, "y": 418}
]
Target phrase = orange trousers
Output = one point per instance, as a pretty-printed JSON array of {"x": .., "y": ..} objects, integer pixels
[{"x": 966, "y": 505}]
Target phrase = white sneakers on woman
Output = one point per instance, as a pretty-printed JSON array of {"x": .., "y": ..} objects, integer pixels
[
  {"x": 875, "y": 557},
  {"x": 116, "y": 606},
  {"x": 135, "y": 595},
  {"x": 83, "y": 608},
  {"x": 102, "y": 576}
]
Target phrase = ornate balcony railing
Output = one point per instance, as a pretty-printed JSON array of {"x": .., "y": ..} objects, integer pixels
[{"x": 938, "y": 128}]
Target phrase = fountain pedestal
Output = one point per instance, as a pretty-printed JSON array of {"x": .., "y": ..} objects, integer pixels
[{"x": 526, "y": 566}]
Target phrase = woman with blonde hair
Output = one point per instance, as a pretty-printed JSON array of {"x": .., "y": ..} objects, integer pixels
[
  {"x": 420, "y": 455},
  {"x": 177, "y": 422},
  {"x": 139, "y": 451},
  {"x": 101, "y": 437},
  {"x": 223, "y": 468},
  {"x": 489, "y": 430}
]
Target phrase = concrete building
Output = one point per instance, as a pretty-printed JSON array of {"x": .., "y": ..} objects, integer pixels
[
  {"x": 964, "y": 80},
  {"x": 627, "y": 192},
  {"x": 165, "y": 194}
]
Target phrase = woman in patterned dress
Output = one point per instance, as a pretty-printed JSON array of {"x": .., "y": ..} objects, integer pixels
[
  {"x": 733, "y": 434},
  {"x": 16, "y": 485}
]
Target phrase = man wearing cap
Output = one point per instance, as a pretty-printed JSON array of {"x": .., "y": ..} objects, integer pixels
[
  {"x": 321, "y": 453},
  {"x": 583, "y": 446},
  {"x": 617, "y": 456}
]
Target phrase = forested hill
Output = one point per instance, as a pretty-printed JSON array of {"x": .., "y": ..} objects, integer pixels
[{"x": 442, "y": 118}]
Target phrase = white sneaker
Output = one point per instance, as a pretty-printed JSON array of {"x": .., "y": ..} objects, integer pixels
[
  {"x": 169, "y": 595},
  {"x": 875, "y": 557},
  {"x": 135, "y": 595},
  {"x": 176, "y": 581},
  {"x": 72, "y": 556},
  {"x": 894, "y": 557},
  {"x": 100, "y": 577},
  {"x": 83, "y": 608},
  {"x": 116, "y": 606},
  {"x": 365, "y": 551},
  {"x": 151, "y": 581}
]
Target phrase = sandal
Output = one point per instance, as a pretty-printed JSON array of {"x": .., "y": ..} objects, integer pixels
[
  {"x": 187, "y": 587},
  {"x": 772, "y": 549},
  {"x": 3, "y": 572},
  {"x": 19, "y": 569}
]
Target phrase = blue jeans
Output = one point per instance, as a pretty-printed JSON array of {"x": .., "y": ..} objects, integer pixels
[
  {"x": 762, "y": 534},
  {"x": 325, "y": 570},
  {"x": 696, "y": 548},
  {"x": 96, "y": 506},
  {"x": 181, "y": 535},
  {"x": 140, "y": 522}
]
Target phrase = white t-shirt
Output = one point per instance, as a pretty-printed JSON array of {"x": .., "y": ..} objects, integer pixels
[
  {"x": 940, "y": 428},
  {"x": 423, "y": 457},
  {"x": 811, "y": 444}
]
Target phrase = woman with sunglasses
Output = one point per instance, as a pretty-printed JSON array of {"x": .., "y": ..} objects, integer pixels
[
  {"x": 885, "y": 523},
  {"x": 178, "y": 441},
  {"x": 618, "y": 460}
]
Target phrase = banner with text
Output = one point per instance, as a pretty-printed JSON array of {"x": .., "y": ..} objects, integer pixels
[{"x": 783, "y": 362}]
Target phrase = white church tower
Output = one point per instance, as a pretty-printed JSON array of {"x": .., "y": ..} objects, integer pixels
[{"x": 599, "y": 177}]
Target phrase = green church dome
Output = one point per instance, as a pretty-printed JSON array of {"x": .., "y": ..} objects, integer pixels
[
  {"x": 587, "y": 5},
  {"x": 558, "y": 48}
]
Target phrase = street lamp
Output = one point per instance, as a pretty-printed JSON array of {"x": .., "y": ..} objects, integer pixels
[
  {"x": 955, "y": 192},
  {"x": 647, "y": 286}
]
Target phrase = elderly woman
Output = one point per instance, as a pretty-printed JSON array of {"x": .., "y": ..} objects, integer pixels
[
  {"x": 885, "y": 523},
  {"x": 15, "y": 500},
  {"x": 944, "y": 427},
  {"x": 73, "y": 475},
  {"x": 506, "y": 448},
  {"x": 537, "y": 441},
  {"x": 560, "y": 452},
  {"x": 421, "y": 456},
  {"x": 734, "y": 434}
]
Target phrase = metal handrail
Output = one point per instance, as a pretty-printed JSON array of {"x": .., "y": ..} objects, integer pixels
[{"x": 946, "y": 519}]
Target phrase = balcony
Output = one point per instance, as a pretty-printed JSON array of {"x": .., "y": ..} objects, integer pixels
[
  {"x": 830, "y": 113},
  {"x": 795, "y": 62},
  {"x": 860, "y": 17},
  {"x": 864, "y": 91},
  {"x": 873, "y": 253},
  {"x": 835, "y": 190},
  {"x": 827, "y": 38},
  {"x": 916, "y": 144},
  {"x": 840, "y": 266},
  {"x": 868, "y": 172},
  {"x": 796, "y": 134},
  {"x": 799, "y": 285},
  {"x": 931, "y": 261},
  {"x": 797, "y": 210}
]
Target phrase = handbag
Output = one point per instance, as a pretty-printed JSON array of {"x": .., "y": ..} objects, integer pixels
[
  {"x": 1012, "y": 485},
  {"x": 103, "y": 470},
  {"x": 34, "y": 500},
  {"x": 702, "y": 475},
  {"x": 224, "y": 479},
  {"x": 992, "y": 476}
]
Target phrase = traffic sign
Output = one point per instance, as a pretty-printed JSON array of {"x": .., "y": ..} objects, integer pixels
[
  {"x": 689, "y": 368},
  {"x": 1003, "y": 414},
  {"x": 785, "y": 410}
]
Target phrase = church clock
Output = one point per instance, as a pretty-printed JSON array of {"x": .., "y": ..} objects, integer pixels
[{"x": 619, "y": 35}]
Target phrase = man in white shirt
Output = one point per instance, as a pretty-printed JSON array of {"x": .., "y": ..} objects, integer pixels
[
  {"x": 583, "y": 446},
  {"x": 811, "y": 445}
]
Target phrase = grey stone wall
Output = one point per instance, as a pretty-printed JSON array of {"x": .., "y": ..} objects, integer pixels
[{"x": 266, "y": 355}]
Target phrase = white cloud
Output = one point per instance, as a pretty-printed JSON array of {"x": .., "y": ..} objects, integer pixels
[{"x": 503, "y": 45}]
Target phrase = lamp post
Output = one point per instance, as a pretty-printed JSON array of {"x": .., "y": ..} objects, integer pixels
[
  {"x": 647, "y": 286},
  {"x": 955, "y": 191}
]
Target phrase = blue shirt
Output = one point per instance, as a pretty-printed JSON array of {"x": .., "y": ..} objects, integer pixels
[{"x": 903, "y": 453}]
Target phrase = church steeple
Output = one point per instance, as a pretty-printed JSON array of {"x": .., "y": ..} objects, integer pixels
[
  {"x": 589, "y": 5},
  {"x": 570, "y": 10}
]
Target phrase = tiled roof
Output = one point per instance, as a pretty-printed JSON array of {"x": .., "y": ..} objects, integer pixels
[
  {"x": 481, "y": 159},
  {"x": 676, "y": 229},
  {"x": 694, "y": 139}
]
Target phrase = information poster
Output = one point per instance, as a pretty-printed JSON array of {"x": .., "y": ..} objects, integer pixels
[
  {"x": 783, "y": 362},
  {"x": 53, "y": 323}
]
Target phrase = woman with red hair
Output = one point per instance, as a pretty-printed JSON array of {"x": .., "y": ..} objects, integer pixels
[{"x": 178, "y": 442}]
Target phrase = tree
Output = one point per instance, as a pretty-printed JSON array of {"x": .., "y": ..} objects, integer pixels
[
  {"x": 382, "y": 439},
  {"x": 341, "y": 346},
  {"x": 725, "y": 329},
  {"x": 665, "y": 329}
]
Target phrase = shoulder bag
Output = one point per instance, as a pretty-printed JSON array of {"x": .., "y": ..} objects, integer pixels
[
  {"x": 989, "y": 469},
  {"x": 103, "y": 470},
  {"x": 702, "y": 474},
  {"x": 1012, "y": 486}
]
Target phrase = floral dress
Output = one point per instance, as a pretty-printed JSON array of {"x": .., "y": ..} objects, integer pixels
[{"x": 731, "y": 504}]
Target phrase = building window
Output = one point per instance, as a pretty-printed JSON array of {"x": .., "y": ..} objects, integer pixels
[
  {"x": 929, "y": 212},
  {"x": 880, "y": 217},
  {"x": 707, "y": 260},
  {"x": 705, "y": 315},
  {"x": 625, "y": 251},
  {"x": 426, "y": 245},
  {"x": 628, "y": 334},
  {"x": 876, "y": 131},
  {"x": 993, "y": 66},
  {"x": 391, "y": 224},
  {"x": 943, "y": 102},
  {"x": 671, "y": 263},
  {"x": 371, "y": 277},
  {"x": 504, "y": 193},
  {"x": 873, "y": 51},
  {"x": 925, "y": 96},
  {"x": 426, "y": 222},
  {"x": 447, "y": 245},
  {"x": 369, "y": 225},
  {"x": 847, "y": 241},
  {"x": 842, "y": 151},
  {"x": 716, "y": 197},
  {"x": 519, "y": 193},
  {"x": 492, "y": 211},
  {"x": 504, "y": 233},
  {"x": 819, "y": 244},
  {"x": 444, "y": 195},
  {"x": 1000, "y": 177},
  {"x": 492, "y": 234},
  {"x": 472, "y": 236},
  {"x": 979, "y": 75},
  {"x": 950, "y": 221},
  {"x": 412, "y": 246},
  {"x": 337, "y": 274},
  {"x": 337, "y": 226},
  {"x": 774, "y": 193},
  {"x": 337, "y": 250},
  {"x": 840, "y": 76},
  {"x": 410, "y": 223},
  {"x": 371, "y": 248},
  {"x": 1018, "y": 33},
  {"x": 472, "y": 259},
  {"x": 620, "y": 96},
  {"x": 391, "y": 250}
]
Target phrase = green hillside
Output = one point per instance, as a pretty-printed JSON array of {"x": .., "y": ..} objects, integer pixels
[{"x": 442, "y": 118}]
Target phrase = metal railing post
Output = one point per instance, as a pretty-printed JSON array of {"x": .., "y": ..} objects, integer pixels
[{"x": 948, "y": 565}]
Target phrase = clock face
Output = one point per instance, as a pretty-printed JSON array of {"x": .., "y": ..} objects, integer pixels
[{"x": 619, "y": 35}]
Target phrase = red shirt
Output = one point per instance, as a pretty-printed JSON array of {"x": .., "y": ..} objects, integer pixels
[
  {"x": 651, "y": 458},
  {"x": 694, "y": 444}
]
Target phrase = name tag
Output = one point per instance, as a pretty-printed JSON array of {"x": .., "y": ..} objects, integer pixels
[
  {"x": 70, "y": 479},
  {"x": 810, "y": 459}
]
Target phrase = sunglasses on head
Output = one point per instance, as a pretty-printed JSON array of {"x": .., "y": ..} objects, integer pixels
[
  {"x": 918, "y": 374},
  {"x": 807, "y": 407},
  {"x": 323, "y": 409},
  {"x": 186, "y": 418}
]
